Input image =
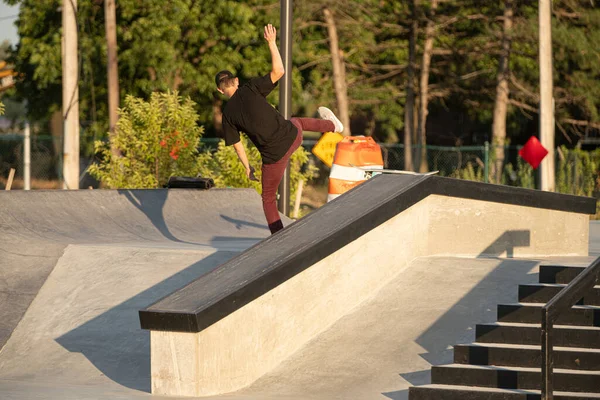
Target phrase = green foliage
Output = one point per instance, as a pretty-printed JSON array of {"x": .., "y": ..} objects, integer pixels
[
  {"x": 1, "y": 108},
  {"x": 157, "y": 139},
  {"x": 577, "y": 171},
  {"x": 225, "y": 169},
  {"x": 520, "y": 176},
  {"x": 181, "y": 44},
  {"x": 472, "y": 172}
]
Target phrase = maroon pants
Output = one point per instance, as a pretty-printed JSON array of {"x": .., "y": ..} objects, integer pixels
[{"x": 273, "y": 173}]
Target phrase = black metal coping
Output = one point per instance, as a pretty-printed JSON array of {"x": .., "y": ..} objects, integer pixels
[{"x": 276, "y": 259}]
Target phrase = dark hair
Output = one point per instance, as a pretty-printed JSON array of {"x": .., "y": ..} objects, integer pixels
[{"x": 224, "y": 79}]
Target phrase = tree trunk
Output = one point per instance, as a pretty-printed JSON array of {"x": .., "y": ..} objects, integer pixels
[
  {"x": 502, "y": 94},
  {"x": 409, "y": 107},
  {"x": 339, "y": 72},
  {"x": 424, "y": 87},
  {"x": 112, "y": 67}
]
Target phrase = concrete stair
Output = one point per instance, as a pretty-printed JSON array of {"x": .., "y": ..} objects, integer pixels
[{"x": 505, "y": 360}]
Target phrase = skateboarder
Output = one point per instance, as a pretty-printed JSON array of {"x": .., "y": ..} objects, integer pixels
[{"x": 275, "y": 137}]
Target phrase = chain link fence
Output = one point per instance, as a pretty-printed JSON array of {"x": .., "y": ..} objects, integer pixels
[
  {"x": 577, "y": 171},
  {"x": 46, "y": 162}
]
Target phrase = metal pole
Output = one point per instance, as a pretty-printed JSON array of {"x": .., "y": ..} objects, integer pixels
[
  {"x": 70, "y": 95},
  {"x": 547, "y": 357},
  {"x": 27, "y": 158},
  {"x": 547, "y": 169},
  {"x": 285, "y": 94},
  {"x": 486, "y": 163}
]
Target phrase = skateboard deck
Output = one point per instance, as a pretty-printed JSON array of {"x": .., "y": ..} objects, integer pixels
[{"x": 374, "y": 171}]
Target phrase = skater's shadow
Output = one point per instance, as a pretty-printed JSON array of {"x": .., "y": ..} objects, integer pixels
[
  {"x": 152, "y": 203},
  {"x": 239, "y": 224}
]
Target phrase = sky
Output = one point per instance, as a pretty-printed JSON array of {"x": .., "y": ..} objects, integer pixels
[{"x": 8, "y": 16}]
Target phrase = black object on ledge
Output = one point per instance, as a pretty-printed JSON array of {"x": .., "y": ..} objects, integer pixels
[{"x": 186, "y": 182}]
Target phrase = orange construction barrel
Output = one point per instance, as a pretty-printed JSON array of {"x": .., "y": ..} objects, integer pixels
[{"x": 352, "y": 152}]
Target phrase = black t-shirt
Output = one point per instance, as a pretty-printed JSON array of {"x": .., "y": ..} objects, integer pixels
[{"x": 248, "y": 111}]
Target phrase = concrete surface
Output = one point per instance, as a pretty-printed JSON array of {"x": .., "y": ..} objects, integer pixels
[
  {"x": 37, "y": 226},
  {"x": 375, "y": 352},
  {"x": 86, "y": 268},
  {"x": 594, "y": 246},
  {"x": 248, "y": 343}
]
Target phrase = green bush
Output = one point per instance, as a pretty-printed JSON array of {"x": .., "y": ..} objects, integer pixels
[
  {"x": 225, "y": 169},
  {"x": 521, "y": 176},
  {"x": 471, "y": 172},
  {"x": 577, "y": 171},
  {"x": 159, "y": 138}
]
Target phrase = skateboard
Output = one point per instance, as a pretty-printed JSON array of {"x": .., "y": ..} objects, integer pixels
[{"x": 370, "y": 172}]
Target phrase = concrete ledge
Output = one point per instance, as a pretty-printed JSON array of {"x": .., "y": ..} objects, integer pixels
[{"x": 223, "y": 331}]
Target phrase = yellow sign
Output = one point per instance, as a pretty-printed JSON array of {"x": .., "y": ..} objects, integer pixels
[{"x": 325, "y": 147}]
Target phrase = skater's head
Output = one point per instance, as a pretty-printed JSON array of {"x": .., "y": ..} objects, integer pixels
[{"x": 227, "y": 83}]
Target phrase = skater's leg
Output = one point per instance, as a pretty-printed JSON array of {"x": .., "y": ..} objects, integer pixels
[
  {"x": 328, "y": 122},
  {"x": 271, "y": 178},
  {"x": 313, "y": 124}
]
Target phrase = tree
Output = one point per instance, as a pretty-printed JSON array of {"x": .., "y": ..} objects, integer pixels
[
  {"x": 163, "y": 46},
  {"x": 181, "y": 44},
  {"x": 502, "y": 92},
  {"x": 339, "y": 71},
  {"x": 112, "y": 66},
  {"x": 424, "y": 85},
  {"x": 409, "y": 108}
]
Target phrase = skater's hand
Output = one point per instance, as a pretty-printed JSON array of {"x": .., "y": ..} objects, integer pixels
[
  {"x": 250, "y": 174},
  {"x": 270, "y": 33}
]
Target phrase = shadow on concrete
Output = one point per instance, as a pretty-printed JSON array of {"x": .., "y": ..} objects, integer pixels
[
  {"x": 239, "y": 224},
  {"x": 152, "y": 203},
  {"x": 114, "y": 341},
  {"x": 457, "y": 325}
]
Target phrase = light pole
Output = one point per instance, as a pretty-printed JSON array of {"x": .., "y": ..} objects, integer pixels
[
  {"x": 547, "y": 171},
  {"x": 70, "y": 95},
  {"x": 285, "y": 94}
]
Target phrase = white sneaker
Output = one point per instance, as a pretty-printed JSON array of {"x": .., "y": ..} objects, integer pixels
[{"x": 326, "y": 113}]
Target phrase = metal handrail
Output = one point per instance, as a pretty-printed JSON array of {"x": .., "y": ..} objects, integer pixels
[{"x": 563, "y": 301}]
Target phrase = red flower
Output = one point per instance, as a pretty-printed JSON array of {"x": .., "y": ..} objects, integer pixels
[
  {"x": 174, "y": 152},
  {"x": 163, "y": 143}
]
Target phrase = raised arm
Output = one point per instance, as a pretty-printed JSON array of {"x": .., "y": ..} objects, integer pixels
[{"x": 277, "y": 70}]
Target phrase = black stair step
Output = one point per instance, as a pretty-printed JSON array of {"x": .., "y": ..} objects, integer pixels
[
  {"x": 514, "y": 377},
  {"x": 453, "y": 392},
  {"x": 544, "y": 292},
  {"x": 514, "y": 355},
  {"x": 517, "y": 333},
  {"x": 531, "y": 313},
  {"x": 559, "y": 273}
]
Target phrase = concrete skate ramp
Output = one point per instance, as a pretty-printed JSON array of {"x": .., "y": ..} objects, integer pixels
[
  {"x": 36, "y": 228},
  {"x": 232, "y": 326},
  {"x": 80, "y": 338}
]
